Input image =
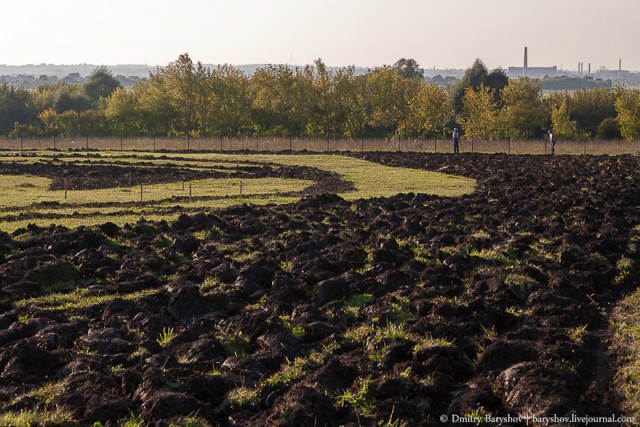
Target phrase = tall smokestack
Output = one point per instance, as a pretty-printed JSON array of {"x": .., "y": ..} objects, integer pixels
[
  {"x": 589, "y": 68},
  {"x": 524, "y": 69},
  {"x": 620, "y": 65}
]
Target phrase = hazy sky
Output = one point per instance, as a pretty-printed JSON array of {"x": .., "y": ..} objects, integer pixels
[{"x": 442, "y": 33}]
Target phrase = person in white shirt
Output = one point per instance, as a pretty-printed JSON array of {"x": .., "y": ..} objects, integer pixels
[{"x": 456, "y": 141}]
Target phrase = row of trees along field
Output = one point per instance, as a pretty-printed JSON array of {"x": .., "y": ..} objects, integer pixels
[{"x": 191, "y": 100}]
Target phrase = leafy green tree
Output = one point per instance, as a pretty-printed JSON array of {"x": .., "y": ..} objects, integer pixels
[
  {"x": 15, "y": 107},
  {"x": 524, "y": 113},
  {"x": 45, "y": 96},
  {"x": 68, "y": 123},
  {"x": 409, "y": 68},
  {"x": 590, "y": 107},
  {"x": 229, "y": 102},
  {"x": 92, "y": 123},
  {"x": 628, "y": 108},
  {"x": 278, "y": 107},
  {"x": 21, "y": 130},
  {"x": 351, "y": 97},
  {"x": 479, "y": 114},
  {"x": 121, "y": 113},
  {"x": 71, "y": 100},
  {"x": 100, "y": 84},
  {"x": 155, "y": 110},
  {"x": 325, "y": 115},
  {"x": 609, "y": 129},
  {"x": 180, "y": 81}
]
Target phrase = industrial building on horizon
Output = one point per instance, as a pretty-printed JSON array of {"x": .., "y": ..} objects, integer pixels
[
  {"x": 540, "y": 72},
  {"x": 527, "y": 71}
]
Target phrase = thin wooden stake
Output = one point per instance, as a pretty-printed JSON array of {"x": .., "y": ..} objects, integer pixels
[
  {"x": 140, "y": 192},
  {"x": 65, "y": 188},
  {"x": 189, "y": 191},
  {"x": 241, "y": 188}
]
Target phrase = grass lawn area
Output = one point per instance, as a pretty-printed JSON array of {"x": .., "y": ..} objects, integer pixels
[{"x": 25, "y": 193}]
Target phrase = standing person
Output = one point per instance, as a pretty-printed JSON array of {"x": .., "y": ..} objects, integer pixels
[
  {"x": 552, "y": 141},
  {"x": 456, "y": 141}
]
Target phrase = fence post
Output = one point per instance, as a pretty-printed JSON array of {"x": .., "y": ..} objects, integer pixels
[
  {"x": 585, "y": 147},
  {"x": 509, "y": 152},
  {"x": 140, "y": 192},
  {"x": 65, "y": 188}
]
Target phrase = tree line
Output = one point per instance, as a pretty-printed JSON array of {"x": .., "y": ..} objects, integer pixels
[{"x": 187, "y": 99}]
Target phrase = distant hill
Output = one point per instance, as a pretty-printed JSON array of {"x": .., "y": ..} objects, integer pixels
[
  {"x": 131, "y": 70},
  {"x": 60, "y": 71}
]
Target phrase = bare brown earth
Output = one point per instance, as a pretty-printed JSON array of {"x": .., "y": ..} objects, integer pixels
[{"x": 419, "y": 306}]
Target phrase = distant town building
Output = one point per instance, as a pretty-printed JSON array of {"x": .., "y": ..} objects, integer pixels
[{"x": 533, "y": 71}]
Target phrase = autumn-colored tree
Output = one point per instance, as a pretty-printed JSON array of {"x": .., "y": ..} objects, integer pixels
[
  {"x": 352, "y": 97},
  {"x": 524, "y": 114},
  {"x": 49, "y": 118},
  {"x": 477, "y": 75},
  {"x": 479, "y": 117},
  {"x": 561, "y": 123},
  {"x": 389, "y": 97},
  {"x": 429, "y": 112},
  {"x": 628, "y": 108}
]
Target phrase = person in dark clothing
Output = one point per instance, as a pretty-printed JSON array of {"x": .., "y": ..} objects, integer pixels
[{"x": 456, "y": 141}]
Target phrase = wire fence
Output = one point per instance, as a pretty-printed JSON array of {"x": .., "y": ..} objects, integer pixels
[{"x": 598, "y": 147}]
